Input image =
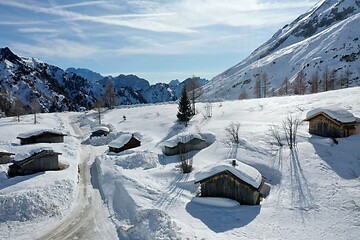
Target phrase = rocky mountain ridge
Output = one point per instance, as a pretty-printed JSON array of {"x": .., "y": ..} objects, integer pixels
[
  {"x": 326, "y": 38},
  {"x": 28, "y": 84}
]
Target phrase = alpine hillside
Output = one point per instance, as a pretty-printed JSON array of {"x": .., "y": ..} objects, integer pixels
[
  {"x": 28, "y": 85},
  {"x": 320, "y": 43}
]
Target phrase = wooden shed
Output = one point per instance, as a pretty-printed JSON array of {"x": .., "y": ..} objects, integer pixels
[
  {"x": 124, "y": 142},
  {"x": 99, "y": 131},
  {"x": 184, "y": 143},
  {"x": 5, "y": 156},
  {"x": 38, "y": 160},
  {"x": 335, "y": 123},
  {"x": 41, "y": 136},
  {"x": 231, "y": 179}
]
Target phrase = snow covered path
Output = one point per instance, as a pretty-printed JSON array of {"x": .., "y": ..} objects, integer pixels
[{"x": 88, "y": 219}]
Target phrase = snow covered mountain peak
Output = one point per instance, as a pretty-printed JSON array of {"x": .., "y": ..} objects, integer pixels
[{"x": 325, "y": 37}]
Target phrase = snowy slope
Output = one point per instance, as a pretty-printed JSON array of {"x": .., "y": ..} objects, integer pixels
[
  {"x": 326, "y": 36},
  {"x": 86, "y": 73},
  {"x": 313, "y": 190},
  {"x": 34, "y": 203},
  {"x": 30, "y": 80}
]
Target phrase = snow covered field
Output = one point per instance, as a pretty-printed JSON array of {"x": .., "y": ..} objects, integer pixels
[{"x": 314, "y": 190}]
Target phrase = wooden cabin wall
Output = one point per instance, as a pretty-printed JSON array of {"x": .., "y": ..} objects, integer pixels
[{"x": 225, "y": 185}]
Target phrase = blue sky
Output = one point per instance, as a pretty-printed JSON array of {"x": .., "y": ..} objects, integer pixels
[{"x": 156, "y": 40}]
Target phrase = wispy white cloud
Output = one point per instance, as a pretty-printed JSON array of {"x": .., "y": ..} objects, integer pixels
[
  {"x": 37, "y": 30},
  {"x": 80, "y": 4},
  {"x": 59, "y": 48}
]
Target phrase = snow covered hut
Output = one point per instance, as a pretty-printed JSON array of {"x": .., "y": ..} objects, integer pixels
[
  {"x": 334, "y": 122},
  {"x": 41, "y": 136},
  {"x": 124, "y": 142},
  {"x": 5, "y": 156},
  {"x": 99, "y": 131},
  {"x": 184, "y": 143},
  {"x": 37, "y": 160},
  {"x": 231, "y": 179}
]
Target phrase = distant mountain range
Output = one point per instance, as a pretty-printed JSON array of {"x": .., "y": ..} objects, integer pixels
[
  {"x": 325, "y": 39},
  {"x": 29, "y": 82}
]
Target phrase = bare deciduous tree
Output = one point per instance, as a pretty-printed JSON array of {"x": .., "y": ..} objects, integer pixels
[
  {"x": 326, "y": 79},
  {"x": 208, "y": 109},
  {"x": 285, "y": 87},
  {"x": 332, "y": 79},
  {"x": 233, "y": 132},
  {"x": 18, "y": 109},
  {"x": 290, "y": 126},
  {"x": 264, "y": 84},
  {"x": 257, "y": 87},
  {"x": 194, "y": 91},
  {"x": 35, "y": 107},
  {"x": 109, "y": 95},
  {"x": 99, "y": 104},
  {"x": 275, "y": 133},
  {"x": 243, "y": 95},
  {"x": 315, "y": 82},
  {"x": 185, "y": 158},
  {"x": 345, "y": 78},
  {"x": 299, "y": 87}
]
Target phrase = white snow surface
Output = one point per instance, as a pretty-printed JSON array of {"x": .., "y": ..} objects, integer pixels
[
  {"x": 182, "y": 138},
  {"x": 241, "y": 170},
  {"x": 38, "y": 132},
  {"x": 339, "y": 114},
  {"x": 313, "y": 192}
]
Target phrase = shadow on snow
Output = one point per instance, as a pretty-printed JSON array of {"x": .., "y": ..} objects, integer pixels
[
  {"x": 343, "y": 158},
  {"x": 222, "y": 219}
]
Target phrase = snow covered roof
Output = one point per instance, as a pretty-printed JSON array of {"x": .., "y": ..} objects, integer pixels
[
  {"x": 35, "y": 133},
  {"x": 241, "y": 170},
  {"x": 7, "y": 152},
  {"x": 22, "y": 156},
  {"x": 338, "y": 114},
  {"x": 182, "y": 138},
  {"x": 101, "y": 128},
  {"x": 122, "y": 140}
]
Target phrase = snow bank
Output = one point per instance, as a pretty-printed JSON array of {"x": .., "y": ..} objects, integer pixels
[
  {"x": 145, "y": 160},
  {"x": 132, "y": 222},
  {"x": 243, "y": 171},
  {"x": 338, "y": 114},
  {"x": 39, "y": 132},
  {"x": 48, "y": 201}
]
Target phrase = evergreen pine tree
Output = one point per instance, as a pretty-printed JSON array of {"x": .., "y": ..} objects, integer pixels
[{"x": 184, "y": 110}]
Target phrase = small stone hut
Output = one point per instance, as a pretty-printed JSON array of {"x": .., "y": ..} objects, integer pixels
[
  {"x": 41, "y": 136},
  {"x": 5, "y": 156},
  {"x": 99, "y": 131},
  {"x": 124, "y": 142},
  {"x": 184, "y": 143},
  {"x": 231, "y": 179},
  {"x": 335, "y": 122},
  {"x": 37, "y": 160}
]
